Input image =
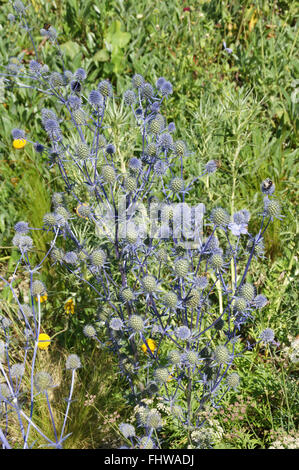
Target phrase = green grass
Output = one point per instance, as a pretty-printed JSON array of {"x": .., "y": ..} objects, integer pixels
[{"x": 240, "y": 109}]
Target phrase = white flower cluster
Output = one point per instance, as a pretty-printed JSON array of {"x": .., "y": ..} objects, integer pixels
[{"x": 286, "y": 441}]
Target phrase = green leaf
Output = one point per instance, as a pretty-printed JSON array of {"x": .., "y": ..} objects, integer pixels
[
  {"x": 101, "y": 56},
  {"x": 116, "y": 37},
  {"x": 70, "y": 48}
]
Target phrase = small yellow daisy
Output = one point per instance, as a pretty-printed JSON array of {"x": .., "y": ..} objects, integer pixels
[
  {"x": 19, "y": 143},
  {"x": 69, "y": 306},
  {"x": 43, "y": 298},
  {"x": 43, "y": 341},
  {"x": 151, "y": 344}
]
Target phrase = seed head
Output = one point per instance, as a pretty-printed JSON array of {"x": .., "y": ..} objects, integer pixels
[
  {"x": 127, "y": 430},
  {"x": 220, "y": 217},
  {"x": 174, "y": 357},
  {"x": 130, "y": 184},
  {"x": 217, "y": 261},
  {"x": 192, "y": 357},
  {"x": 221, "y": 355},
  {"x": 73, "y": 362},
  {"x": 146, "y": 443},
  {"x": 105, "y": 88},
  {"x": 272, "y": 208},
  {"x": 116, "y": 324},
  {"x": 155, "y": 126},
  {"x": 161, "y": 374},
  {"x": 82, "y": 150},
  {"x": 56, "y": 79},
  {"x": 151, "y": 149},
  {"x": 177, "y": 185},
  {"x": 149, "y": 283},
  {"x": 79, "y": 117},
  {"x": 162, "y": 255},
  {"x": 89, "y": 331},
  {"x": 17, "y": 371},
  {"x": 233, "y": 380},
  {"x": 240, "y": 304},
  {"x": 183, "y": 332},
  {"x": 49, "y": 219},
  {"x": 179, "y": 148},
  {"x": 181, "y": 267},
  {"x": 137, "y": 81},
  {"x": 154, "y": 420},
  {"x": 43, "y": 381},
  {"x": 194, "y": 299},
  {"x": 108, "y": 174},
  {"x": 248, "y": 291},
  {"x": 127, "y": 294},
  {"x": 38, "y": 288},
  {"x": 130, "y": 97},
  {"x": 98, "y": 258},
  {"x": 136, "y": 323},
  {"x": 171, "y": 300},
  {"x": 267, "y": 335}
]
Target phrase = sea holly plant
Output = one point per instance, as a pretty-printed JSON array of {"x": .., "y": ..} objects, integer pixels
[{"x": 170, "y": 279}]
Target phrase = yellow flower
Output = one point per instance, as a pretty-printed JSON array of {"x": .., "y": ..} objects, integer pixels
[
  {"x": 19, "y": 143},
  {"x": 170, "y": 378},
  {"x": 42, "y": 299},
  {"x": 151, "y": 344},
  {"x": 69, "y": 306},
  {"x": 43, "y": 341}
]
